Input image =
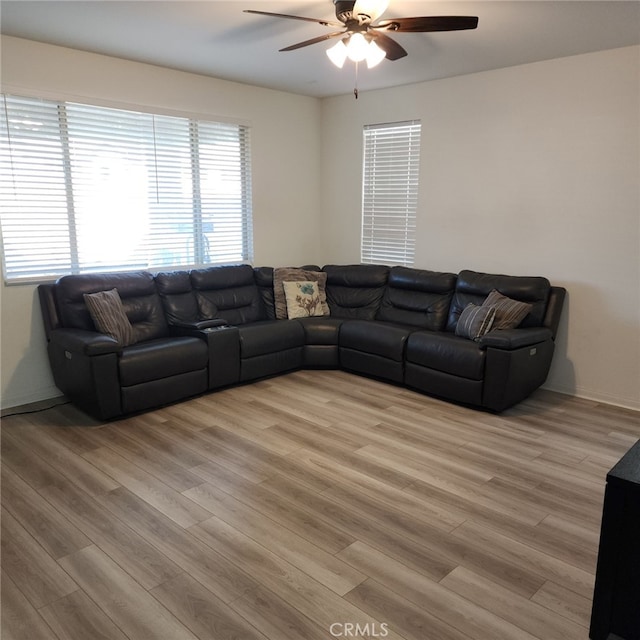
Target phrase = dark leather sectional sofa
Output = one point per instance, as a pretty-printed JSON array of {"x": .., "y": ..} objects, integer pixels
[{"x": 210, "y": 328}]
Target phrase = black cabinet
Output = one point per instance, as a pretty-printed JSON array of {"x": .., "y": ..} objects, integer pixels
[{"x": 616, "y": 598}]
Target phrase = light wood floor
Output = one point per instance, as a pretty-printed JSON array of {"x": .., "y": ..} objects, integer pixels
[{"x": 292, "y": 508}]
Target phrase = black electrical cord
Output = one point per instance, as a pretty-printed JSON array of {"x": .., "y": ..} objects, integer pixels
[{"x": 19, "y": 412}]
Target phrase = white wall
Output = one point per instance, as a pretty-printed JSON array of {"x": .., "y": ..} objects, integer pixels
[
  {"x": 529, "y": 170},
  {"x": 285, "y": 138}
]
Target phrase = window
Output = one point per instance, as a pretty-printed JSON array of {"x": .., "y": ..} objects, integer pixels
[
  {"x": 86, "y": 188},
  {"x": 390, "y": 192}
]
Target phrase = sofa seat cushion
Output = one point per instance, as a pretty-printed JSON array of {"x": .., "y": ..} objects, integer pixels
[
  {"x": 376, "y": 338},
  {"x": 161, "y": 358},
  {"x": 446, "y": 352},
  {"x": 271, "y": 336},
  {"x": 321, "y": 329}
]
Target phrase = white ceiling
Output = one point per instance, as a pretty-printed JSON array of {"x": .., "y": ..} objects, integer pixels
[{"x": 217, "y": 39}]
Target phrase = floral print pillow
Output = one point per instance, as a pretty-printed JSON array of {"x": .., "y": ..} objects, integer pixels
[
  {"x": 303, "y": 299},
  {"x": 293, "y": 274}
]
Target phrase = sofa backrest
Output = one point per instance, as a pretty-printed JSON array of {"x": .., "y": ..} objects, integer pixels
[
  {"x": 178, "y": 297},
  {"x": 264, "y": 281},
  {"x": 417, "y": 297},
  {"x": 138, "y": 293},
  {"x": 356, "y": 290},
  {"x": 474, "y": 287},
  {"x": 554, "y": 309},
  {"x": 49, "y": 307},
  {"x": 228, "y": 292},
  {"x": 240, "y": 294}
]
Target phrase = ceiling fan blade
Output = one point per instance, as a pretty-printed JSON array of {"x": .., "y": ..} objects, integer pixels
[
  {"x": 325, "y": 23},
  {"x": 371, "y": 8},
  {"x": 393, "y": 50},
  {"x": 431, "y": 23},
  {"x": 306, "y": 43}
]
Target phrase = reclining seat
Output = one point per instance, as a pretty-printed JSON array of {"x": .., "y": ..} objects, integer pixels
[
  {"x": 499, "y": 369},
  {"x": 185, "y": 319},
  {"x": 354, "y": 293},
  {"x": 103, "y": 377},
  {"x": 320, "y": 349},
  {"x": 413, "y": 299},
  {"x": 267, "y": 347}
]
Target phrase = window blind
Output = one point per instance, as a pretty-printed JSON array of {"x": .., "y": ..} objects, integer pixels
[
  {"x": 390, "y": 192},
  {"x": 86, "y": 188}
]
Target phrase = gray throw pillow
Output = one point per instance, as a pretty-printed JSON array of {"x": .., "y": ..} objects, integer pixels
[
  {"x": 475, "y": 321},
  {"x": 509, "y": 313},
  {"x": 109, "y": 317}
]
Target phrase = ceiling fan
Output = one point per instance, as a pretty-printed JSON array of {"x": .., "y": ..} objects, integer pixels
[{"x": 362, "y": 38}]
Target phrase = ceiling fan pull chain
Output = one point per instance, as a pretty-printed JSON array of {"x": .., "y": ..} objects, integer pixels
[{"x": 355, "y": 89}]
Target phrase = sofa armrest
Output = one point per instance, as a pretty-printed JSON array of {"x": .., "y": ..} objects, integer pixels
[
  {"x": 198, "y": 325},
  {"x": 85, "y": 368},
  {"x": 88, "y": 343},
  {"x": 223, "y": 342},
  {"x": 510, "y": 339}
]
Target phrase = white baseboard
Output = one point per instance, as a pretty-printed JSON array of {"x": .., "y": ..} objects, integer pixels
[
  {"x": 53, "y": 394},
  {"x": 588, "y": 394},
  {"x": 42, "y": 395}
]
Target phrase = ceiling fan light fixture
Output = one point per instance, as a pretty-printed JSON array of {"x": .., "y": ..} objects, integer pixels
[
  {"x": 357, "y": 48},
  {"x": 375, "y": 55},
  {"x": 338, "y": 54}
]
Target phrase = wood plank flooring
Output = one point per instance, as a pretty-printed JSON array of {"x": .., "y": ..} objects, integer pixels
[{"x": 307, "y": 507}]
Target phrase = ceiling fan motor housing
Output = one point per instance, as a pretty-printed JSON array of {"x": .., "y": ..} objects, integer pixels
[{"x": 344, "y": 10}]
